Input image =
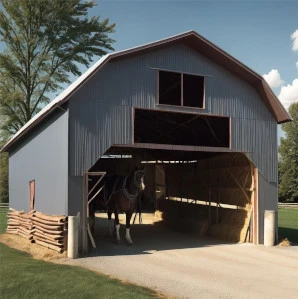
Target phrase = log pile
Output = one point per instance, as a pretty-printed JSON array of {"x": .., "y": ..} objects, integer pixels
[
  {"x": 45, "y": 230},
  {"x": 20, "y": 223},
  {"x": 50, "y": 231}
]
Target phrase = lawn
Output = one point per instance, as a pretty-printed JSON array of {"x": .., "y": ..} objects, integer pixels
[
  {"x": 288, "y": 224},
  {"x": 3, "y": 220},
  {"x": 25, "y": 277}
]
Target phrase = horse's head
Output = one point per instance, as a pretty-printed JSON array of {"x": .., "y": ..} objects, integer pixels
[{"x": 139, "y": 179}]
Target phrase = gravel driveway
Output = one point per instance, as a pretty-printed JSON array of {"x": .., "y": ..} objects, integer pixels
[{"x": 184, "y": 266}]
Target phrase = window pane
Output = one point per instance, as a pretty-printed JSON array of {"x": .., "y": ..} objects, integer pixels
[
  {"x": 193, "y": 91},
  {"x": 169, "y": 88}
]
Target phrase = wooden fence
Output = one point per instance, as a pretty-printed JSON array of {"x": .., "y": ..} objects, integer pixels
[
  {"x": 288, "y": 205},
  {"x": 4, "y": 207}
]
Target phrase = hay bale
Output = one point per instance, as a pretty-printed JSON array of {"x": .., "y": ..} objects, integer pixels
[{"x": 227, "y": 232}]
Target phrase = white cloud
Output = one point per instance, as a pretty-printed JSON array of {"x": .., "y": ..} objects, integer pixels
[
  {"x": 289, "y": 94},
  {"x": 297, "y": 64},
  {"x": 294, "y": 37},
  {"x": 273, "y": 78}
]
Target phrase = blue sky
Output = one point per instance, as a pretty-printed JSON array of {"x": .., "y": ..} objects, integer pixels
[{"x": 258, "y": 33}]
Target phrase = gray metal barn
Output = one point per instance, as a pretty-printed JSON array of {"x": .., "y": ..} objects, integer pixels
[{"x": 178, "y": 99}]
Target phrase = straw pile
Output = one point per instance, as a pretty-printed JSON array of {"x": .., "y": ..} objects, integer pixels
[
  {"x": 184, "y": 217},
  {"x": 284, "y": 243},
  {"x": 48, "y": 231},
  {"x": 233, "y": 227}
]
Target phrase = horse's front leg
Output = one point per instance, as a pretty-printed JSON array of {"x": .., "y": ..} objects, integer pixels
[
  {"x": 127, "y": 235},
  {"x": 110, "y": 224},
  {"x": 117, "y": 226}
]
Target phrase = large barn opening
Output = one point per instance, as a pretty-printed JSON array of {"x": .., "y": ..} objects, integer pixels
[
  {"x": 201, "y": 193},
  {"x": 164, "y": 127}
]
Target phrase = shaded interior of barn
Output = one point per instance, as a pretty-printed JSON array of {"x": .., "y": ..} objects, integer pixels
[{"x": 205, "y": 193}]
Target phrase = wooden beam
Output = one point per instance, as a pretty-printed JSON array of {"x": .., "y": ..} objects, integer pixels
[
  {"x": 212, "y": 131},
  {"x": 238, "y": 184},
  {"x": 99, "y": 180}
]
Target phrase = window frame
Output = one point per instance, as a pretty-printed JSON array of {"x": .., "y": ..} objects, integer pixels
[{"x": 181, "y": 90}]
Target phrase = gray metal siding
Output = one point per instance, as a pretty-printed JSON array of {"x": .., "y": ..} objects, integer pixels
[
  {"x": 101, "y": 111},
  {"x": 268, "y": 200},
  {"x": 43, "y": 157},
  {"x": 75, "y": 195}
]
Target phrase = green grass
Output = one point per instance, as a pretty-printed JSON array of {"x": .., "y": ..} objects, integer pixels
[
  {"x": 24, "y": 277},
  {"x": 3, "y": 221},
  {"x": 288, "y": 224},
  {"x": 21, "y": 276}
]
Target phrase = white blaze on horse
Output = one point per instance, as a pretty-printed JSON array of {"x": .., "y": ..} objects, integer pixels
[{"x": 121, "y": 194}]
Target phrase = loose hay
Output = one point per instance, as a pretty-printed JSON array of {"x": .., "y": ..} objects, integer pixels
[
  {"x": 37, "y": 251},
  {"x": 285, "y": 243}
]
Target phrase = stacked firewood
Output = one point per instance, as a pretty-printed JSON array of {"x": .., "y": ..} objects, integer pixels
[
  {"x": 48, "y": 231},
  {"x": 20, "y": 223}
]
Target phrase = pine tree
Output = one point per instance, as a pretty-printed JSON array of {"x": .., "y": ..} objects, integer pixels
[{"x": 288, "y": 159}]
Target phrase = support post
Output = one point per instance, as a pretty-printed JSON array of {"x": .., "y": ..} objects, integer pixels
[
  {"x": 73, "y": 237},
  {"x": 269, "y": 228}
]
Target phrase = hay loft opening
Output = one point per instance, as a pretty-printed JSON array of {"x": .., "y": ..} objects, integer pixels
[
  {"x": 160, "y": 127},
  {"x": 180, "y": 89}
]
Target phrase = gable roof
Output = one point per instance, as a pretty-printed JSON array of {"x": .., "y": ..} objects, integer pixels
[{"x": 190, "y": 38}]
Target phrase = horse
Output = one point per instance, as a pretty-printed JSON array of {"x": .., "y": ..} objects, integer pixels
[{"x": 120, "y": 194}]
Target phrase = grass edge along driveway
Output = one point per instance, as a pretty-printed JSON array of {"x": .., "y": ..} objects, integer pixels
[{"x": 22, "y": 276}]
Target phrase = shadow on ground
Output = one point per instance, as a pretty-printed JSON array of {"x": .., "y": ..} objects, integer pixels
[{"x": 148, "y": 238}]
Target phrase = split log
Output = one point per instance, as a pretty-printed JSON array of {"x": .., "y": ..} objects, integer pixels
[
  {"x": 50, "y": 237},
  {"x": 50, "y": 218},
  {"x": 51, "y": 232},
  {"x": 46, "y": 222},
  {"x": 49, "y": 246},
  {"x": 12, "y": 231},
  {"x": 49, "y": 227},
  {"x": 48, "y": 241},
  {"x": 28, "y": 237}
]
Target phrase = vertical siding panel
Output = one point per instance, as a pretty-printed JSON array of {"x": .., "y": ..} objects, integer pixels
[
  {"x": 268, "y": 195},
  {"x": 42, "y": 157}
]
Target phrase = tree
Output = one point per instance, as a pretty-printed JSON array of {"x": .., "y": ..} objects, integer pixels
[
  {"x": 288, "y": 159},
  {"x": 44, "y": 42},
  {"x": 3, "y": 177}
]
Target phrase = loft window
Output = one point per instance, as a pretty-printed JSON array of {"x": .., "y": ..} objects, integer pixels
[{"x": 180, "y": 89}]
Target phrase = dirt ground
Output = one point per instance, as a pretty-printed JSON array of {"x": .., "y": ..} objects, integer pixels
[
  {"x": 182, "y": 265},
  {"x": 187, "y": 266},
  {"x": 37, "y": 251}
]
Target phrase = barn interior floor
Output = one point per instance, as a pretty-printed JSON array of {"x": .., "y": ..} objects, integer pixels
[{"x": 148, "y": 237}]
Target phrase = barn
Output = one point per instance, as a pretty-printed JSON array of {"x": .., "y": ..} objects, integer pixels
[{"x": 202, "y": 124}]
